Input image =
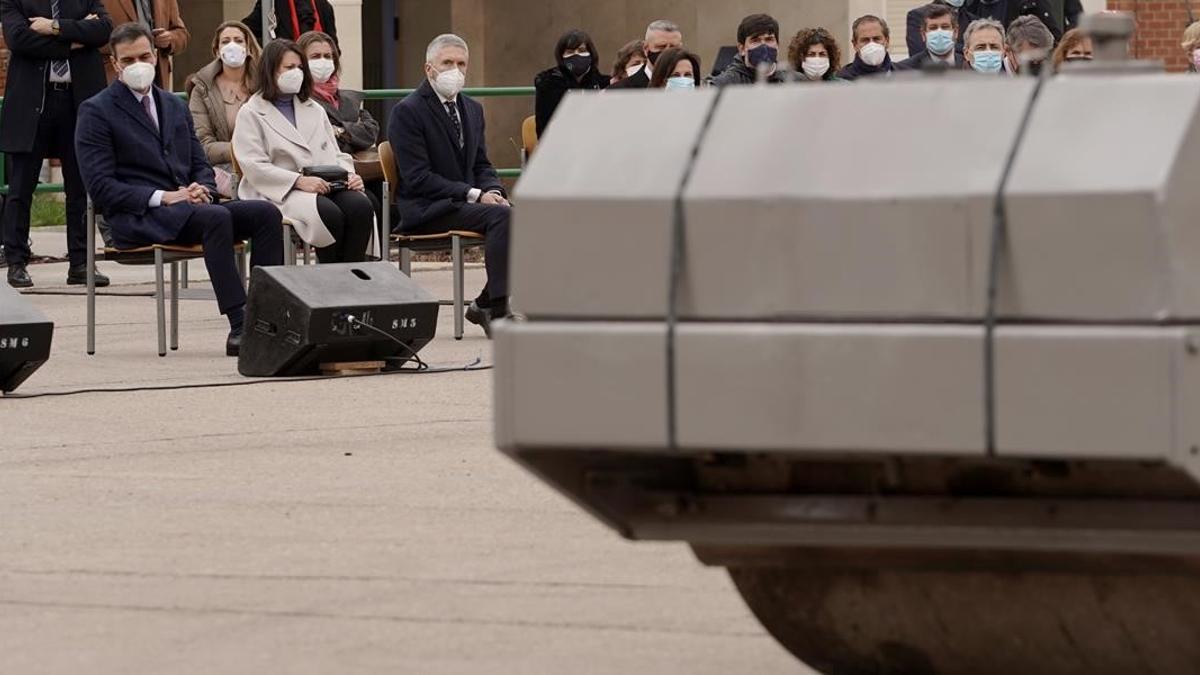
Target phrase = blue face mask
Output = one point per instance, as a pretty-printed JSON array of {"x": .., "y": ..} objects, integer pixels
[
  {"x": 939, "y": 42},
  {"x": 762, "y": 54},
  {"x": 683, "y": 82},
  {"x": 956, "y": 4},
  {"x": 987, "y": 62}
]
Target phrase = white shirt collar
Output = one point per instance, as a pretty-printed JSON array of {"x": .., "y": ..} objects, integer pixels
[{"x": 445, "y": 100}]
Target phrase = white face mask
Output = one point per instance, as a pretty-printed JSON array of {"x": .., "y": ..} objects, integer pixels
[
  {"x": 233, "y": 55},
  {"x": 815, "y": 67},
  {"x": 450, "y": 82},
  {"x": 873, "y": 54},
  {"x": 633, "y": 70},
  {"x": 291, "y": 81},
  {"x": 321, "y": 69},
  {"x": 139, "y": 76}
]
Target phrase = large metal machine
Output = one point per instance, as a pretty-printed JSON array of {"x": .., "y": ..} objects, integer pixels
[{"x": 918, "y": 361}]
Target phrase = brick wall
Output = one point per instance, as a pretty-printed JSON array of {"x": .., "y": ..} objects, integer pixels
[{"x": 1160, "y": 25}]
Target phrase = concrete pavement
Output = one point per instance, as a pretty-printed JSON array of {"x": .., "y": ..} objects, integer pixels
[{"x": 343, "y": 526}]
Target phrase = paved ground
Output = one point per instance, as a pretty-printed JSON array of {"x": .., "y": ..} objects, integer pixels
[{"x": 362, "y": 525}]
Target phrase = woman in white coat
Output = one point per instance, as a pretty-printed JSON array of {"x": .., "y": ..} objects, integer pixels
[{"x": 281, "y": 131}]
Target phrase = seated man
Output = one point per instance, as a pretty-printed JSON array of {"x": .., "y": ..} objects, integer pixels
[
  {"x": 146, "y": 172},
  {"x": 1030, "y": 43},
  {"x": 446, "y": 180},
  {"x": 871, "y": 39},
  {"x": 986, "y": 50},
  {"x": 939, "y": 31},
  {"x": 661, "y": 35},
  {"x": 758, "y": 45}
]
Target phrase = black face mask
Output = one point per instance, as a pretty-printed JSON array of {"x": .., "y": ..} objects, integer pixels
[
  {"x": 578, "y": 65},
  {"x": 652, "y": 57}
]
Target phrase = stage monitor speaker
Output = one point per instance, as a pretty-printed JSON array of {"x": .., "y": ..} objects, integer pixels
[
  {"x": 25, "y": 335},
  {"x": 299, "y": 317}
]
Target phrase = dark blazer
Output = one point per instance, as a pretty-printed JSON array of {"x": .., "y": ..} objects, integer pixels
[
  {"x": 435, "y": 176},
  {"x": 857, "y": 68},
  {"x": 30, "y": 56},
  {"x": 639, "y": 80},
  {"x": 361, "y": 130},
  {"x": 283, "y": 19},
  {"x": 124, "y": 159},
  {"x": 924, "y": 58}
]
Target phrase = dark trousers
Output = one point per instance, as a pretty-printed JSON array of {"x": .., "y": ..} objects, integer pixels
[
  {"x": 55, "y": 138},
  {"x": 492, "y": 222},
  {"x": 218, "y": 226},
  {"x": 350, "y": 217}
]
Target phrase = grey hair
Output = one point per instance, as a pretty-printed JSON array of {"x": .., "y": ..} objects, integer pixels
[
  {"x": 662, "y": 26},
  {"x": 442, "y": 41},
  {"x": 981, "y": 24},
  {"x": 1030, "y": 29}
]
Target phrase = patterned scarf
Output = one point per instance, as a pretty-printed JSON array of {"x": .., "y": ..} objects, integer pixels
[{"x": 328, "y": 91}]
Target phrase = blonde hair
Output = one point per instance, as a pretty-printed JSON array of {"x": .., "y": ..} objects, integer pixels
[
  {"x": 1191, "y": 36},
  {"x": 253, "y": 51}
]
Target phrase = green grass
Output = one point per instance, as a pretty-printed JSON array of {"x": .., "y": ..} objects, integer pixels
[{"x": 47, "y": 211}]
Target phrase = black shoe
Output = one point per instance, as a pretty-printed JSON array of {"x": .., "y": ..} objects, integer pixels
[
  {"x": 18, "y": 276},
  {"x": 77, "y": 276},
  {"x": 233, "y": 344},
  {"x": 480, "y": 317}
]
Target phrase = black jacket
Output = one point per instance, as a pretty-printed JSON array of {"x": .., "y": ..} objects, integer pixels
[
  {"x": 639, "y": 80},
  {"x": 361, "y": 130},
  {"x": 435, "y": 175},
  {"x": 283, "y": 19},
  {"x": 858, "y": 69},
  {"x": 740, "y": 73},
  {"x": 924, "y": 58},
  {"x": 30, "y": 56},
  {"x": 553, "y": 84}
]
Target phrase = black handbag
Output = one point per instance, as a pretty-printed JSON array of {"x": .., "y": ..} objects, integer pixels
[{"x": 337, "y": 177}]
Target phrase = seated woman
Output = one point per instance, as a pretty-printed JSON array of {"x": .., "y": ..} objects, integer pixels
[
  {"x": 280, "y": 132},
  {"x": 815, "y": 55},
  {"x": 630, "y": 59},
  {"x": 1075, "y": 46},
  {"x": 676, "y": 69},
  {"x": 356, "y": 131},
  {"x": 217, "y": 92},
  {"x": 578, "y": 68}
]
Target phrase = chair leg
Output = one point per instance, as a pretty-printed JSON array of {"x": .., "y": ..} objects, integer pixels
[
  {"x": 385, "y": 225},
  {"x": 244, "y": 269},
  {"x": 406, "y": 261},
  {"x": 306, "y": 251},
  {"x": 289, "y": 246},
  {"x": 175, "y": 305},
  {"x": 159, "y": 303},
  {"x": 183, "y": 283},
  {"x": 91, "y": 277},
  {"x": 457, "y": 258}
]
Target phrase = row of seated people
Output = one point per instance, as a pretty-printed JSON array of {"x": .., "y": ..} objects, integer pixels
[
  {"x": 150, "y": 176},
  {"x": 661, "y": 61}
]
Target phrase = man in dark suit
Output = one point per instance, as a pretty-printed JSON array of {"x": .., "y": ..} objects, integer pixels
[
  {"x": 289, "y": 19},
  {"x": 147, "y": 173},
  {"x": 54, "y": 66},
  {"x": 940, "y": 35},
  {"x": 661, "y": 35},
  {"x": 447, "y": 181}
]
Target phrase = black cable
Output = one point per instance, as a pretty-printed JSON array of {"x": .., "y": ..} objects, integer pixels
[
  {"x": 471, "y": 366},
  {"x": 676, "y": 273},
  {"x": 421, "y": 365},
  {"x": 999, "y": 239}
]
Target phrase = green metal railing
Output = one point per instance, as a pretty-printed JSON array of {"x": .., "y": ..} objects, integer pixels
[{"x": 370, "y": 95}]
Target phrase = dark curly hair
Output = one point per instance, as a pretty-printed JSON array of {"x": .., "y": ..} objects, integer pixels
[{"x": 815, "y": 36}]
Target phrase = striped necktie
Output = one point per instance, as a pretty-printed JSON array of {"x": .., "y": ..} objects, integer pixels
[{"x": 60, "y": 68}]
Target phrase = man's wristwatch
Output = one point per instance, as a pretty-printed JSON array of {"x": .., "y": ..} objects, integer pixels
[{"x": 55, "y": 27}]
